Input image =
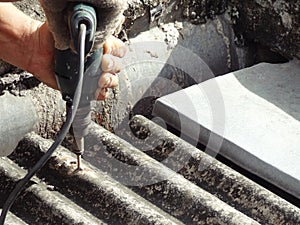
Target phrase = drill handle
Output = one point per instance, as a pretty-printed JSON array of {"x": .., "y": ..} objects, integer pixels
[
  {"x": 67, "y": 61},
  {"x": 67, "y": 74}
]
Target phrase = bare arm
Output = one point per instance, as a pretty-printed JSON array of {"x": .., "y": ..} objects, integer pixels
[{"x": 21, "y": 43}]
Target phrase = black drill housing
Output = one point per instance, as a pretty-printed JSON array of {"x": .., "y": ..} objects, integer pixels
[{"x": 67, "y": 61}]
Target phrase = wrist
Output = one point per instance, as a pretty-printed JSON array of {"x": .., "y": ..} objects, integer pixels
[
  {"x": 15, "y": 32},
  {"x": 40, "y": 58},
  {"x": 29, "y": 43},
  {"x": 26, "y": 43}
]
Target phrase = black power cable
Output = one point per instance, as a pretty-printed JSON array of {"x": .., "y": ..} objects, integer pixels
[{"x": 70, "y": 117}]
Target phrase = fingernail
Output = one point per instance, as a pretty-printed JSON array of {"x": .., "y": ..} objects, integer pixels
[
  {"x": 122, "y": 52},
  {"x": 110, "y": 64},
  {"x": 108, "y": 81},
  {"x": 104, "y": 91},
  {"x": 97, "y": 93}
]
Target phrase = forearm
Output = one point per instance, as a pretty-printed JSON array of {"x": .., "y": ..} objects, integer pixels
[
  {"x": 26, "y": 43},
  {"x": 15, "y": 31}
]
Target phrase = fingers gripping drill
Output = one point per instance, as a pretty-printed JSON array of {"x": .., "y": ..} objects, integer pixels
[{"x": 67, "y": 67}]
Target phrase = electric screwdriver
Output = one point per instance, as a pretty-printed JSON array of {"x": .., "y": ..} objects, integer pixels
[{"x": 67, "y": 71}]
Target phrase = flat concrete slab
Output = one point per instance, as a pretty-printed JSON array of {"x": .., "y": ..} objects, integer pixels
[{"x": 251, "y": 117}]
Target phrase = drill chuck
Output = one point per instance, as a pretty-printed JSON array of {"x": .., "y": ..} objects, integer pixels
[{"x": 80, "y": 126}]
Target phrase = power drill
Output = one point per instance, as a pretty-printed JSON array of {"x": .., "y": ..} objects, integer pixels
[{"x": 67, "y": 71}]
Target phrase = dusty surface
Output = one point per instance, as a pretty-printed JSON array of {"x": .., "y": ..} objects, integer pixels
[
  {"x": 91, "y": 189},
  {"x": 141, "y": 15},
  {"x": 209, "y": 174},
  {"x": 131, "y": 187},
  {"x": 274, "y": 24}
]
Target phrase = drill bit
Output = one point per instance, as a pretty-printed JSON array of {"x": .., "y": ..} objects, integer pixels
[
  {"x": 80, "y": 128},
  {"x": 78, "y": 162},
  {"x": 79, "y": 150}
]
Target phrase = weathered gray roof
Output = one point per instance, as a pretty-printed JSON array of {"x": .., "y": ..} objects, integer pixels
[{"x": 130, "y": 187}]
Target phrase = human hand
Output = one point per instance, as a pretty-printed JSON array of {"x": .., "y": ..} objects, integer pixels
[
  {"x": 29, "y": 45},
  {"x": 42, "y": 61},
  {"x": 114, "y": 50}
]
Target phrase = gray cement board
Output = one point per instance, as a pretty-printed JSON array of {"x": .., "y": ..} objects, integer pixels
[{"x": 250, "y": 116}]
